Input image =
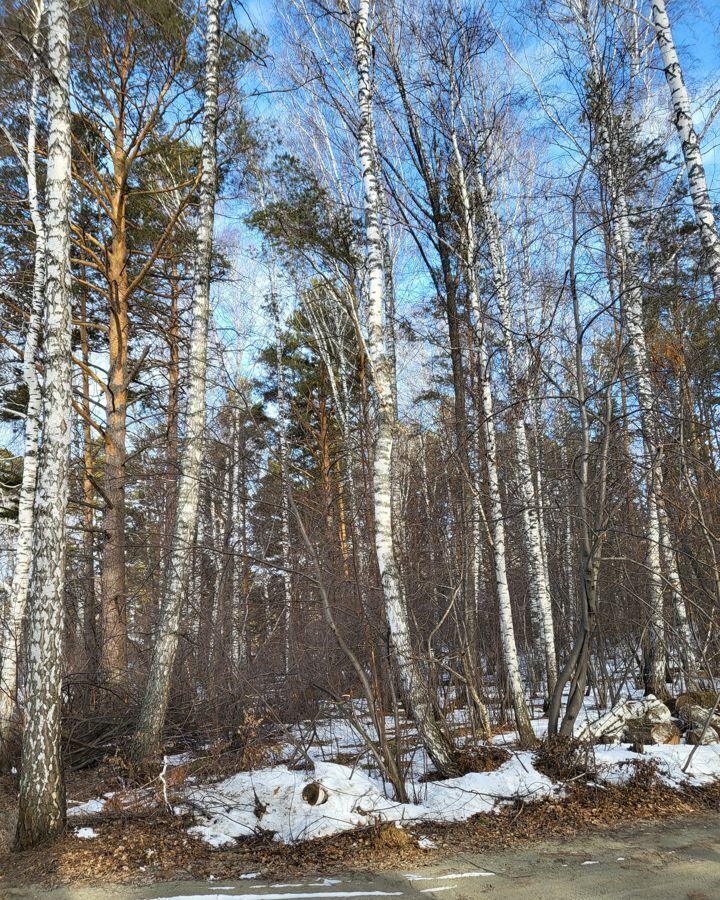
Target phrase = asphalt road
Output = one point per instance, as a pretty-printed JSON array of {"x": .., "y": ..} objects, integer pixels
[{"x": 673, "y": 861}]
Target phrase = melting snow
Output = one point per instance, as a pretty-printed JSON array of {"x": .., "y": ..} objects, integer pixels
[
  {"x": 613, "y": 762},
  {"x": 90, "y": 807},
  {"x": 290, "y": 896},
  {"x": 452, "y": 876},
  {"x": 271, "y": 800}
]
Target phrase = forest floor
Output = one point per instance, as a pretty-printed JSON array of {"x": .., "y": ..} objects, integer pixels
[
  {"x": 135, "y": 848},
  {"x": 239, "y": 810},
  {"x": 664, "y": 860}
]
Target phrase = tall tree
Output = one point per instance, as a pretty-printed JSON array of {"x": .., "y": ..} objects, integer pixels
[
  {"x": 497, "y": 518},
  {"x": 414, "y": 686},
  {"x": 155, "y": 702},
  {"x": 134, "y": 93},
  {"x": 12, "y": 629},
  {"x": 42, "y": 795}
]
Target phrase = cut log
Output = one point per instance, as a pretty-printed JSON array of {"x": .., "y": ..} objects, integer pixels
[
  {"x": 639, "y": 731},
  {"x": 696, "y": 717},
  {"x": 696, "y": 736},
  {"x": 611, "y": 726},
  {"x": 315, "y": 794}
]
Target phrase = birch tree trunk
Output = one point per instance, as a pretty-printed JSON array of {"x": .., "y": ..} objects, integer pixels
[
  {"x": 639, "y": 370},
  {"x": 539, "y": 593},
  {"x": 630, "y": 292},
  {"x": 689, "y": 142},
  {"x": 17, "y": 600},
  {"x": 682, "y": 624},
  {"x": 414, "y": 687},
  {"x": 42, "y": 797},
  {"x": 497, "y": 522},
  {"x": 155, "y": 702}
]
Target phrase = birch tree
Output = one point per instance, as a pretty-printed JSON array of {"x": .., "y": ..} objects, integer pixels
[
  {"x": 612, "y": 123},
  {"x": 689, "y": 142},
  {"x": 414, "y": 687},
  {"x": 497, "y": 518},
  {"x": 539, "y": 592},
  {"x": 18, "y": 594},
  {"x": 42, "y": 796},
  {"x": 155, "y": 702}
]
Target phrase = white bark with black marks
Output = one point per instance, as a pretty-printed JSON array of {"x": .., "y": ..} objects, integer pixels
[
  {"x": 42, "y": 796},
  {"x": 689, "y": 142},
  {"x": 497, "y": 521},
  {"x": 414, "y": 687},
  {"x": 155, "y": 702},
  {"x": 539, "y": 593},
  {"x": 17, "y": 600}
]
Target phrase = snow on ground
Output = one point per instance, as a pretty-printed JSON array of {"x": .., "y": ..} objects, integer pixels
[
  {"x": 271, "y": 800},
  {"x": 614, "y": 763},
  {"x": 90, "y": 807},
  {"x": 294, "y": 895}
]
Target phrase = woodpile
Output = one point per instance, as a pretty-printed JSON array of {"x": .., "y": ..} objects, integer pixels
[
  {"x": 650, "y": 721},
  {"x": 635, "y": 714}
]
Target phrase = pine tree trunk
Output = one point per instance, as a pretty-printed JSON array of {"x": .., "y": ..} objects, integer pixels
[
  {"x": 155, "y": 702},
  {"x": 89, "y": 600},
  {"x": 17, "y": 601},
  {"x": 114, "y": 651},
  {"x": 42, "y": 797},
  {"x": 284, "y": 476},
  {"x": 689, "y": 142},
  {"x": 415, "y": 690}
]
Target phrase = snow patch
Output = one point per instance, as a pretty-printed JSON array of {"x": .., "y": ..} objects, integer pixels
[
  {"x": 614, "y": 763},
  {"x": 270, "y": 800},
  {"x": 90, "y": 807},
  {"x": 452, "y": 876}
]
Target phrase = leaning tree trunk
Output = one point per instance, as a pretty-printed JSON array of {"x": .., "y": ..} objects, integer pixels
[
  {"x": 414, "y": 686},
  {"x": 17, "y": 601},
  {"x": 42, "y": 797},
  {"x": 689, "y": 142},
  {"x": 155, "y": 702}
]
